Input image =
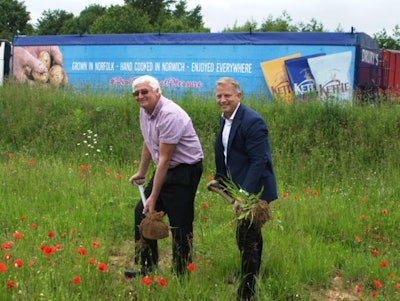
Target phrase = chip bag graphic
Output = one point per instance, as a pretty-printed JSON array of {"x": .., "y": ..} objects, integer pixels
[{"x": 275, "y": 76}]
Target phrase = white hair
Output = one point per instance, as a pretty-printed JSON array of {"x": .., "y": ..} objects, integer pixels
[{"x": 152, "y": 81}]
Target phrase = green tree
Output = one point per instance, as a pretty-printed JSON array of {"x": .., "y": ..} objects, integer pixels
[
  {"x": 70, "y": 26},
  {"x": 313, "y": 26},
  {"x": 249, "y": 26},
  {"x": 121, "y": 19},
  {"x": 55, "y": 22},
  {"x": 193, "y": 18},
  {"x": 385, "y": 41},
  {"x": 283, "y": 23},
  {"x": 280, "y": 24},
  {"x": 14, "y": 19},
  {"x": 171, "y": 15},
  {"x": 88, "y": 16},
  {"x": 182, "y": 20},
  {"x": 156, "y": 10}
]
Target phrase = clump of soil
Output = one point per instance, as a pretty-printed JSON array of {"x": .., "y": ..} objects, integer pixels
[{"x": 153, "y": 226}]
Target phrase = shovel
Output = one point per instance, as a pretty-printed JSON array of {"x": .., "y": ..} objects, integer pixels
[{"x": 141, "y": 191}]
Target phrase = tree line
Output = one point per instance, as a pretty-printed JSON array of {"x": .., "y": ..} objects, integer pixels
[{"x": 147, "y": 16}]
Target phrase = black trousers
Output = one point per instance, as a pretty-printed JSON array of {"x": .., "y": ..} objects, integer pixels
[
  {"x": 250, "y": 242},
  {"x": 176, "y": 199}
]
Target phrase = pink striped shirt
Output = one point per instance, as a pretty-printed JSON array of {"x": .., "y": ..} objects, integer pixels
[{"x": 170, "y": 124}]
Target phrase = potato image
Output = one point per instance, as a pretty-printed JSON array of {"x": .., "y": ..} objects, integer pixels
[
  {"x": 56, "y": 75},
  {"x": 45, "y": 58},
  {"x": 42, "y": 77}
]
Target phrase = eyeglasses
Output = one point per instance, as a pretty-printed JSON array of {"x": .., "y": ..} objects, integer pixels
[{"x": 143, "y": 92}]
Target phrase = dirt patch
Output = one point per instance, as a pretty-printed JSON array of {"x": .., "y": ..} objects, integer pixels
[
  {"x": 337, "y": 292},
  {"x": 123, "y": 257}
]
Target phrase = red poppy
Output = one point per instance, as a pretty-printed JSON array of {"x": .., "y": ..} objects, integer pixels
[
  {"x": 377, "y": 284},
  {"x": 18, "y": 263},
  {"x": 31, "y": 162},
  {"x": 17, "y": 235},
  {"x": 384, "y": 211},
  {"x": 383, "y": 264},
  {"x": 76, "y": 280},
  {"x": 23, "y": 218},
  {"x": 7, "y": 257},
  {"x": 190, "y": 267},
  {"x": 50, "y": 234},
  {"x": 95, "y": 244},
  {"x": 374, "y": 252},
  {"x": 10, "y": 284},
  {"x": 162, "y": 282},
  {"x": 84, "y": 167},
  {"x": 91, "y": 260},
  {"x": 145, "y": 280},
  {"x": 102, "y": 267},
  {"x": 7, "y": 245},
  {"x": 358, "y": 289},
  {"x": 33, "y": 226},
  {"x": 204, "y": 205},
  {"x": 398, "y": 286},
  {"x": 81, "y": 251},
  {"x": 285, "y": 195},
  {"x": 119, "y": 176},
  {"x": 10, "y": 155},
  {"x": 210, "y": 177},
  {"x": 47, "y": 250},
  {"x": 3, "y": 268},
  {"x": 357, "y": 239}
]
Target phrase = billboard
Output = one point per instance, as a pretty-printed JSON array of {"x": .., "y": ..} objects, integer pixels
[{"x": 181, "y": 62}]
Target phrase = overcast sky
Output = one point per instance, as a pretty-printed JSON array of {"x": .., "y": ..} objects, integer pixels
[{"x": 367, "y": 16}]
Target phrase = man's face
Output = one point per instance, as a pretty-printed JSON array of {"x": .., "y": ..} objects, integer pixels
[
  {"x": 227, "y": 99},
  {"x": 146, "y": 97}
]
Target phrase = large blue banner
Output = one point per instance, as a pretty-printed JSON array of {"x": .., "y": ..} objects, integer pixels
[
  {"x": 178, "y": 68},
  {"x": 181, "y": 62}
]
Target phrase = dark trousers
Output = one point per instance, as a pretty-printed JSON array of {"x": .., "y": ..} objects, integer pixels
[
  {"x": 176, "y": 199},
  {"x": 250, "y": 242}
]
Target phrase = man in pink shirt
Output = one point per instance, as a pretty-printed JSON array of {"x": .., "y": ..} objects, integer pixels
[{"x": 171, "y": 143}]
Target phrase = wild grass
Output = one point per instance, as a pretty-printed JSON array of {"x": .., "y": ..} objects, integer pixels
[{"x": 65, "y": 160}]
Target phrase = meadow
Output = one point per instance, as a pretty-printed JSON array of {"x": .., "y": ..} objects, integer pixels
[{"x": 66, "y": 207}]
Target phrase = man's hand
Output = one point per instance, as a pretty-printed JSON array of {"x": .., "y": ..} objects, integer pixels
[
  {"x": 212, "y": 184},
  {"x": 136, "y": 179}
]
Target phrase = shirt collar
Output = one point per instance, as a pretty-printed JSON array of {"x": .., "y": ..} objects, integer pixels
[
  {"x": 157, "y": 108},
  {"x": 233, "y": 114}
]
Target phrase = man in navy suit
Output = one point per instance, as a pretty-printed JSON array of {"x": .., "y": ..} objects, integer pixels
[{"x": 243, "y": 156}]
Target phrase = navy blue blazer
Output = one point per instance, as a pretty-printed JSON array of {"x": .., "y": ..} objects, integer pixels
[{"x": 249, "y": 163}]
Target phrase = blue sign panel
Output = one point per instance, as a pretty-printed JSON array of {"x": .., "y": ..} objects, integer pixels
[{"x": 181, "y": 62}]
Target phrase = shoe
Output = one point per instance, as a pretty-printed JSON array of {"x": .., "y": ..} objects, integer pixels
[
  {"x": 143, "y": 271},
  {"x": 131, "y": 273}
]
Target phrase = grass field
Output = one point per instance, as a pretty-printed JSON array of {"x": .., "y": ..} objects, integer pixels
[{"x": 66, "y": 210}]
